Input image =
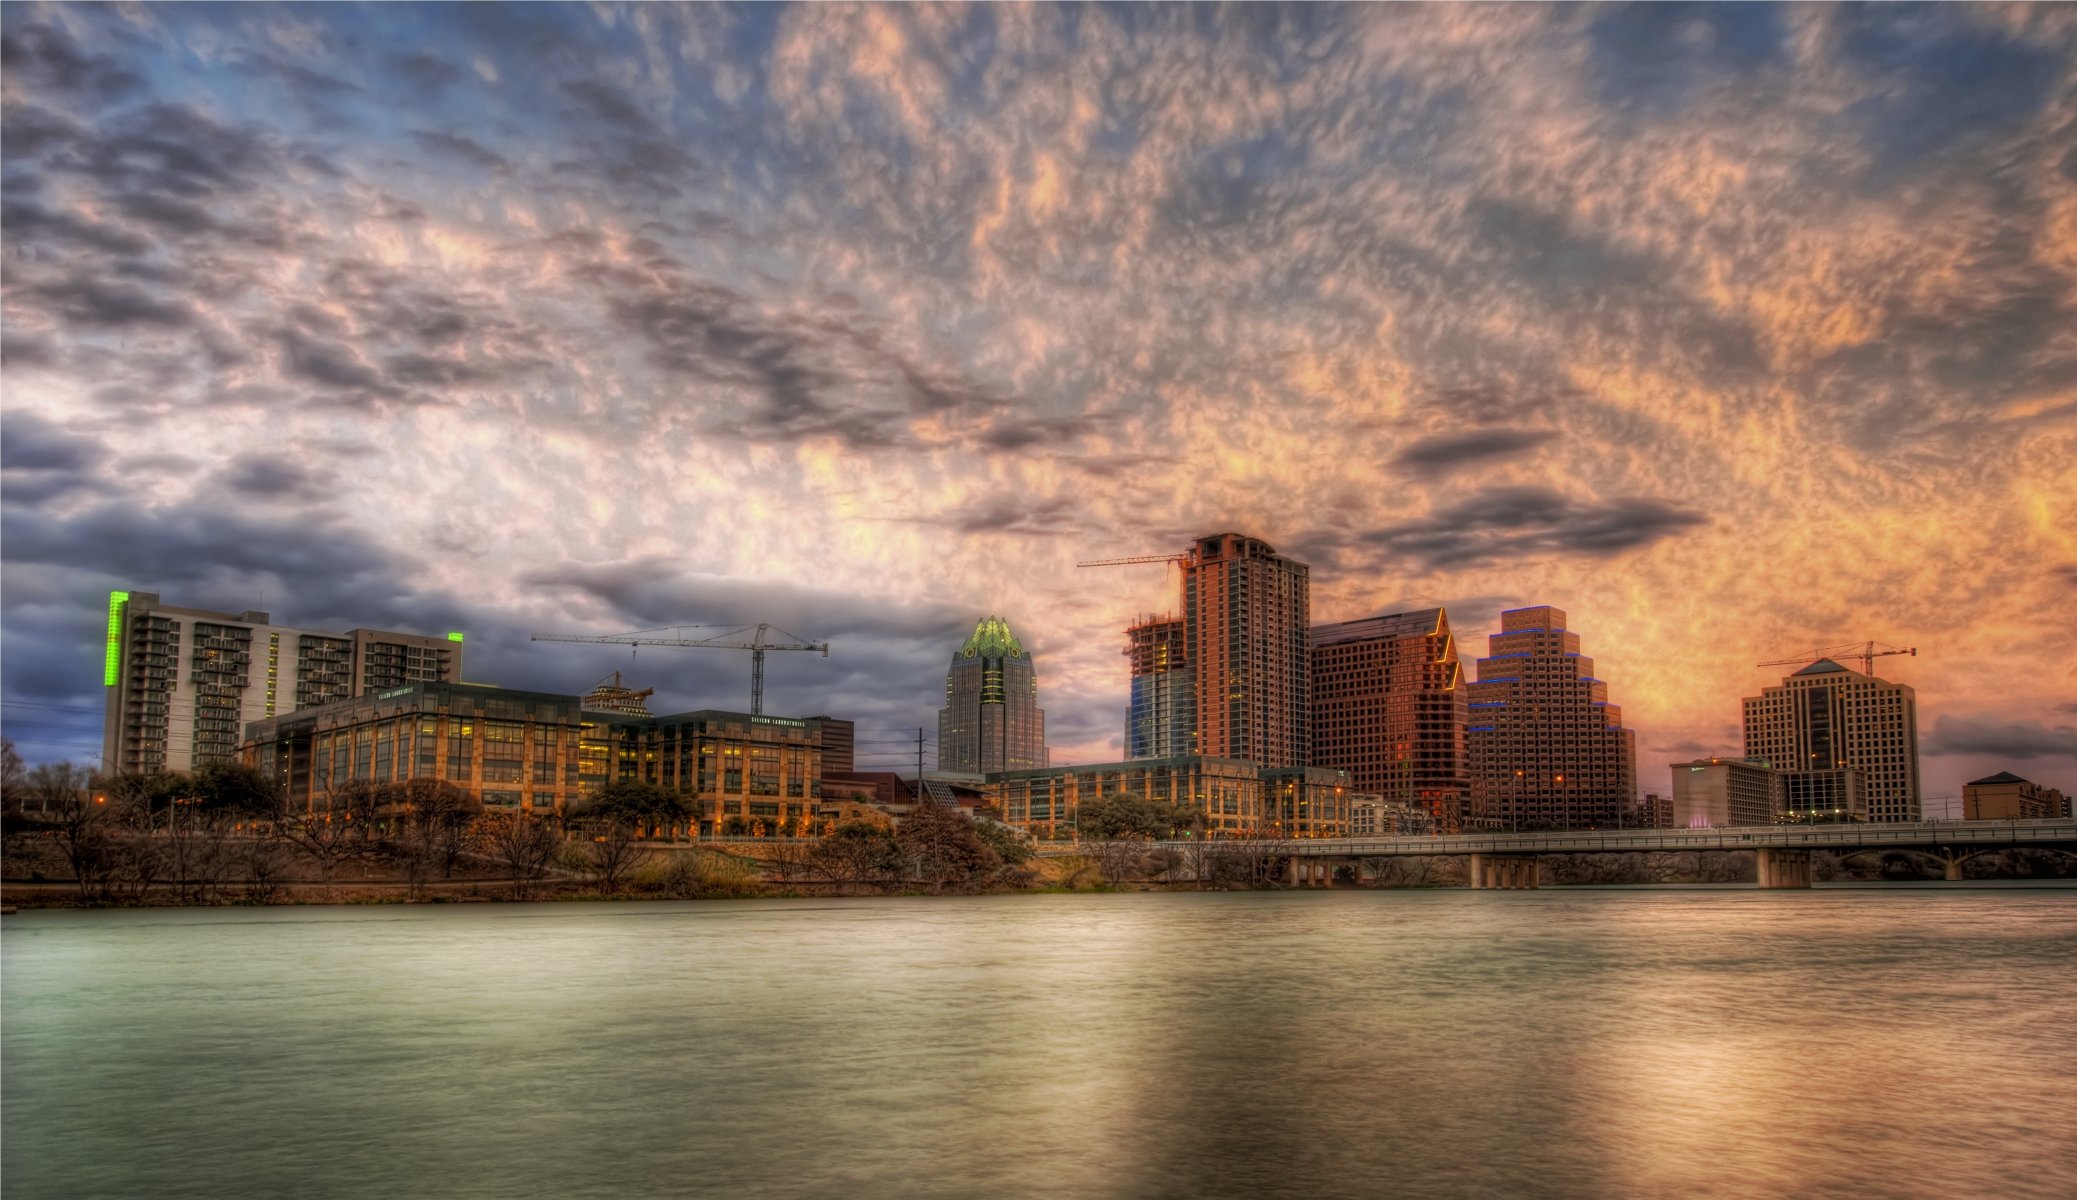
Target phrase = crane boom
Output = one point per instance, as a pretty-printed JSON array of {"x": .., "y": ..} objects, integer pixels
[
  {"x": 1144, "y": 558},
  {"x": 1865, "y": 651},
  {"x": 757, "y": 645}
]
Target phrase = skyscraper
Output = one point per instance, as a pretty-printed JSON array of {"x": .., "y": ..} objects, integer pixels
[
  {"x": 1388, "y": 708},
  {"x": 991, "y": 720},
  {"x": 1546, "y": 748},
  {"x": 1247, "y": 611},
  {"x": 184, "y": 682},
  {"x": 1826, "y": 717},
  {"x": 1164, "y": 698}
]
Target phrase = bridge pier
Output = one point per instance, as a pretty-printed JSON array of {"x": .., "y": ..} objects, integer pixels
[
  {"x": 1503, "y": 871},
  {"x": 1783, "y": 868}
]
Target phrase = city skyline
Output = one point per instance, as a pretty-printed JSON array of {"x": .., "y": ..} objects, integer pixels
[{"x": 1733, "y": 333}]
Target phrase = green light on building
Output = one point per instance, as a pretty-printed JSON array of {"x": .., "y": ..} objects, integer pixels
[
  {"x": 454, "y": 637},
  {"x": 112, "y": 665}
]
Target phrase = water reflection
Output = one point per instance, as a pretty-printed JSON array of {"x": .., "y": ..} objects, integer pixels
[{"x": 1560, "y": 1043}]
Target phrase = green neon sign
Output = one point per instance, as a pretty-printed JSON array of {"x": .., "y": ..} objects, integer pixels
[
  {"x": 454, "y": 637},
  {"x": 112, "y": 666}
]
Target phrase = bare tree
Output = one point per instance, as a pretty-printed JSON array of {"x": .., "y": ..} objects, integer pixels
[
  {"x": 1119, "y": 858},
  {"x": 266, "y": 868},
  {"x": 1254, "y": 859},
  {"x": 611, "y": 854},
  {"x": 13, "y": 778},
  {"x": 526, "y": 844},
  {"x": 432, "y": 825},
  {"x": 64, "y": 796},
  {"x": 339, "y": 827}
]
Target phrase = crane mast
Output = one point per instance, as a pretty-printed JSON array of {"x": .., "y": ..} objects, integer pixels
[{"x": 757, "y": 645}]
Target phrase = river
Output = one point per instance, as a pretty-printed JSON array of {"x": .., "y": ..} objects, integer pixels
[{"x": 1561, "y": 1042}]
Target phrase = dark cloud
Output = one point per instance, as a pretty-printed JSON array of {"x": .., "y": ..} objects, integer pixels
[
  {"x": 1445, "y": 452},
  {"x": 428, "y": 74},
  {"x": 30, "y": 224},
  {"x": 1503, "y": 523},
  {"x": 30, "y": 442},
  {"x": 270, "y": 477},
  {"x": 301, "y": 81},
  {"x": 22, "y": 350},
  {"x": 2005, "y": 739},
  {"x": 608, "y": 104},
  {"x": 715, "y": 334},
  {"x": 885, "y": 666},
  {"x": 46, "y": 59},
  {"x": 170, "y": 149},
  {"x": 1021, "y": 515},
  {"x": 108, "y": 304},
  {"x": 188, "y": 547},
  {"x": 169, "y": 213},
  {"x": 456, "y": 146},
  {"x": 322, "y": 361},
  {"x": 1013, "y": 434},
  {"x": 42, "y": 459}
]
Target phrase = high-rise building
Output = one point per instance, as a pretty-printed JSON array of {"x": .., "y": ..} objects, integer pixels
[
  {"x": 1388, "y": 708},
  {"x": 1546, "y": 749},
  {"x": 1247, "y": 611},
  {"x": 1826, "y": 716},
  {"x": 184, "y": 682},
  {"x": 1712, "y": 792},
  {"x": 991, "y": 720},
  {"x": 1164, "y": 699},
  {"x": 839, "y": 740}
]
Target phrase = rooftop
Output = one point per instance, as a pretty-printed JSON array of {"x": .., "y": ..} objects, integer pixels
[{"x": 992, "y": 638}]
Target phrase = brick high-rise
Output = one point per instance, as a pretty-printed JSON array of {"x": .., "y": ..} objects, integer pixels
[
  {"x": 1546, "y": 748},
  {"x": 1389, "y": 708},
  {"x": 1247, "y": 611}
]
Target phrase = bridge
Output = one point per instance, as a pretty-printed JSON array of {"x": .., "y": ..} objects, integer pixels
[{"x": 1509, "y": 860}]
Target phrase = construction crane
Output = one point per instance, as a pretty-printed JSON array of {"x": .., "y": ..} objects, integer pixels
[
  {"x": 1144, "y": 558},
  {"x": 757, "y": 645},
  {"x": 1865, "y": 651}
]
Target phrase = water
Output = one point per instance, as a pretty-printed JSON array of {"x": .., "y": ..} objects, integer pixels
[{"x": 1587, "y": 1043}]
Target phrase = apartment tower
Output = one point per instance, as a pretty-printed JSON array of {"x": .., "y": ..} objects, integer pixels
[
  {"x": 991, "y": 720},
  {"x": 1389, "y": 708},
  {"x": 1546, "y": 749},
  {"x": 183, "y": 683},
  {"x": 1247, "y": 612},
  {"x": 1826, "y": 717},
  {"x": 1164, "y": 697}
]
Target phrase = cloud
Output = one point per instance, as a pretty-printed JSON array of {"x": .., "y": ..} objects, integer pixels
[
  {"x": 263, "y": 476},
  {"x": 456, "y": 146},
  {"x": 2007, "y": 739},
  {"x": 31, "y": 442},
  {"x": 51, "y": 61},
  {"x": 1445, "y": 452},
  {"x": 1499, "y": 524}
]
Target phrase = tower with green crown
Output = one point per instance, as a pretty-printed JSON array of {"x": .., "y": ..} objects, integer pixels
[{"x": 991, "y": 720}]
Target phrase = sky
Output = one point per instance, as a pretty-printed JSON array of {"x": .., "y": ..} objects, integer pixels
[{"x": 1733, "y": 331}]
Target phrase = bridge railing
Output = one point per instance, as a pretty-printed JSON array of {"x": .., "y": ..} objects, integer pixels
[{"x": 1735, "y": 837}]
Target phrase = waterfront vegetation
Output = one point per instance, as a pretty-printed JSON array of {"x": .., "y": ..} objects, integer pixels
[{"x": 224, "y": 835}]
